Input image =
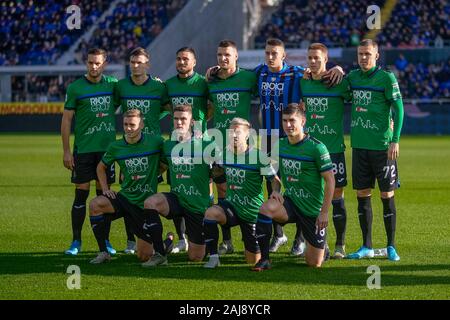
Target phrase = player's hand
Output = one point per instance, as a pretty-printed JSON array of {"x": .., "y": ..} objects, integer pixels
[
  {"x": 109, "y": 193},
  {"x": 394, "y": 150},
  {"x": 335, "y": 75},
  {"x": 322, "y": 221},
  {"x": 307, "y": 74},
  {"x": 211, "y": 72},
  {"x": 277, "y": 197},
  {"x": 68, "y": 160}
]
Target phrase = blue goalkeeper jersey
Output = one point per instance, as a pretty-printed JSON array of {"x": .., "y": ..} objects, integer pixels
[{"x": 276, "y": 90}]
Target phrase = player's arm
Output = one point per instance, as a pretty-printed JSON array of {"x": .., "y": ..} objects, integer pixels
[
  {"x": 211, "y": 72},
  {"x": 102, "y": 179},
  {"x": 210, "y": 110},
  {"x": 275, "y": 182},
  {"x": 162, "y": 167},
  {"x": 334, "y": 76},
  {"x": 322, "y": 219},
  {"x": 392, "y": 93},
  {"x": 66, "y": 123}
]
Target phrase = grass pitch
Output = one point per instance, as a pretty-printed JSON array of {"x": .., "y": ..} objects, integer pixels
[{"x": 36, "y": 197}]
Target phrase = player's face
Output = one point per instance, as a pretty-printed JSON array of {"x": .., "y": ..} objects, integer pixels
[
  {"x": 238, "y": 135},
  {"x": 275, "y": 56},
  {"x": 367, "y": 57},
  {"x": 317, "y": 61},
  {"x": 182, "y": 122},
  {"x": 227, "y": 57},
  {"x": 95, "y": 64},
  {"x": 132, "y": 126},
  {"x": 293, "y": 124},
  {"x": 185, "y": 62},
  {"x": 139, "y": 65}
]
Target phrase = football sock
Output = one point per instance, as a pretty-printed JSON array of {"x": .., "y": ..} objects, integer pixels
[
  {"x": 79, "y": 212},
  {"x": 390, "y": 219},
  {"x": 154, "y": 226},
  {"x": 98, "y": 227},
  {"x": 264, "y": 233},
  {"x": 211, "y": 235},
  {"x": 339, "y": 220},
  {"x": 365, "y": 219},
  {"x": 180, "y": 226}
]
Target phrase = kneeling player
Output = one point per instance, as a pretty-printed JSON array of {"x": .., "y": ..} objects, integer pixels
[
  {"x": 244, "y": 195},
  {"x": 138, "y": 156},
  {"x": 304, "y": 164},
  {"x": 189, "y": 167}
]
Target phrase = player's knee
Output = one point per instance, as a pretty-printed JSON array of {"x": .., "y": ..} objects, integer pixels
[
  {"x": 152, "y": 202},
  {"x": 338, "y": 193},
  {"x": 94, "y": 207},
  {"x": 313, "y": 262},
  {"x": 212, "y": 213},
  {"x": 363, "y": 193},
  {"x": 387, "y": 195},
  {"x": 195, "y": 257},
  {"x": 268, "y": 208}
]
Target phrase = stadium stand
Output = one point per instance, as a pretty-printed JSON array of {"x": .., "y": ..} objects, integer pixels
[{"x": 412, "y": 24}]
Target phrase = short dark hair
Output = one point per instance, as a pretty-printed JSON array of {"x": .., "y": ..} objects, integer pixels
[
  {"x": 275, "y": 42},
  {"x": 187, "y": 49},
  {"x": 97, "y": 52},
  {"x": 368, "y": 42},
  {"x": 183, "y": 108},
  {"x": 293, "y": 108},
  {"x": 318, "y": 46},
  {"x": 227, "y": 43},
  {"x": 139, "y": 51}
]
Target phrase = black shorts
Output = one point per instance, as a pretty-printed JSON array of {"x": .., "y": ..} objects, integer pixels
[
  {"x": 369, "y": 165},
  {"x": 85, "y": 169},
  {"x": 248, "y": 229},
  {"x": 315, "y": 237},
  {"x": 132, "y": 213},
  {"x": 194, "y": 221},
  {"x": 339, "y": 169}
]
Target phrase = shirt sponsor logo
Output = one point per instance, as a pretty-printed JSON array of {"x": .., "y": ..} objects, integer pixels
[
  {"x": 141, "y": 104},
  {"x": 292, "y": 179},
  {"x": 101, "y": 115},
  {"x": 137, "y": 177},
  {"x": 228, "y": 100},
  {"x": 235, "y": 187},
  {"x": 100, "y": 104},
  {"x": 316, "y": 116},
  {"x": 235, "y": 176},
  {"x": 272, "y": 89},
  {"x": 178, "y": 101},
  {"x": 183, "y": 164},
  {"x": 137, "y": 165},
  {"x": 317, "y": 104},
  {"x": 360, "y": 109},
  {"x": 228, "y": 111},
  {"x": 182, "y": 176},
  {"x": 292, "y": 167},
  {"x": 362, "y": 97}
]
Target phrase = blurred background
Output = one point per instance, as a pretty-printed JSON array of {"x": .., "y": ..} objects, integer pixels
[{"x": 41, "y": 52}]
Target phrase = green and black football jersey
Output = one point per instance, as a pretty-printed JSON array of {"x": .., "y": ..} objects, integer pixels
[
  {"x": 232, "y": 97},
  {"x": 300, "y": 167},
  {"x": 149, "y": 97},
  {"x": 139, "y": 163},
  {"x": 189, "y": 166},
  {"x": 244, "y": 173},
  {"x": 325, "y": 112},
  {"x": 372, "y": 95},
  {"x": 94, "y": 107},
  {"x": 191, "y": 91}
]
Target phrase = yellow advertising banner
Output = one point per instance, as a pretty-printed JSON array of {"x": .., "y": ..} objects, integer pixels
[{"x": 25, "y": 108}]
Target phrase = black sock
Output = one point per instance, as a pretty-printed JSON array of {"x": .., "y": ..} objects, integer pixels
[
  {"x": 129, "y": 230},
  {"x": 277, "y": 230},
  {"x": 365, "y": 219},
  {"x": 390, "y": 218},
  {"x": 154, "y": 226},
  {"x": 99, "y": 192},
  {"x": 98, "y": 227},
  {"x": 299, "y": 233},
  {"x": 264, "y": 233},
  {"x": 180, "y": 226},
  {"x": 79, "y": 212},
  {"x": 339, "y": 220},
  {"x": 226, "y": 231},
  {"x": 211, "y": 235}
]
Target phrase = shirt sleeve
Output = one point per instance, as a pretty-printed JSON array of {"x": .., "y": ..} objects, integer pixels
[
  {"x": 71, "y": 99},
  {"x": 346, "y": 91},
  {"x": 108, "y": 157},
  {"x": 392, "y": 90},
  {"x": 323, "y": 159}
]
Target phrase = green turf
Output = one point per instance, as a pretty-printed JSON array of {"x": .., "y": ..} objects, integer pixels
[{"x": 35, "y": 201}]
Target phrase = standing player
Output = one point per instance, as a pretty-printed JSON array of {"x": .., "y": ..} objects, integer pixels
[
  {"x": 189, "y": 186},
  {"x": 244, "y": 174},
  {"x": 230, "y": 91},
  {"x": 279, "y": 85},
  {"x": 324, "y": 121},
  {"x": 375, "y": 145},
  {"x": 91, "y": 100},
  {"x": 138, "y": 156},
  {"x": 188, "y": 88},
  {"x": 304, "y": 164},
  {"x": 147, "y": 94}
]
